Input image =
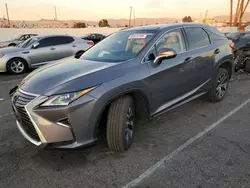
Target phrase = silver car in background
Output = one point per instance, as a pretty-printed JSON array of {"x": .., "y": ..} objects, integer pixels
[
  {"x": 40, "y": 50},
  {"x": 16, "y": 40}
]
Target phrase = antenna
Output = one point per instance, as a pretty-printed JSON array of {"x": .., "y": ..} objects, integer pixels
[
  {"x": 134, "y": 17},
  {"x": 130, "y": 17}
]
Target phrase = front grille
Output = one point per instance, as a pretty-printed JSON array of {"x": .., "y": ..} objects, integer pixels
[{"x": 20, "y": 99}]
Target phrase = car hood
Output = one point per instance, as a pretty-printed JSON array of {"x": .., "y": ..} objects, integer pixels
[
  {"x": 10, "y": 50},
  {"x": 67, "y": 76}
]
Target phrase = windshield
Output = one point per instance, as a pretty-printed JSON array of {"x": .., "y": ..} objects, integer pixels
[
  {"x": 28, "y": 42},
  {"x": 17, "y": 37},
  {"x": 118, "y": 47}
]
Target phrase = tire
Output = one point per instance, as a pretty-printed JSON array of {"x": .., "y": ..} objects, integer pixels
[
  {"x": 78, "y": 54},
  {"x": 12, "y": 45},
  {"x": 120, "y": 124},
  {"x": 219, "y": 86},
  {"x": 247, "y": 66},
  {"x": 17, "y": 66}
]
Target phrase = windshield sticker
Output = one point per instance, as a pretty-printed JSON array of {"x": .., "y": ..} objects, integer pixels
[{"x": 137, "y": 36}]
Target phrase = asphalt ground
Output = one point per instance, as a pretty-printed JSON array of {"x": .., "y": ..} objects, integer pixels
[{"x": 199, "y": 144}]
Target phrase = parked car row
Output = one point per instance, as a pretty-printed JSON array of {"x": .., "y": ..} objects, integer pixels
[
  {"x": 32, "y": 51},
  {"x": 132, "y": 74}
]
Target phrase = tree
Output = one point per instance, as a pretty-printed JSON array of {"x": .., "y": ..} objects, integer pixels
[
  {"x": 79, "y": 25},
  {"x": 103, "y": 23},
  {"x": 187, "y": 19}
]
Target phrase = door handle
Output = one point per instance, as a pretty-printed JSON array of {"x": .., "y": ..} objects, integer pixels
[
  {"x": 217, "y": 51},
  {"x": 25, "y": 52},
  {"x": 74, "y": 45},
  {"x": 52, "y": 48},
  {"x": 188, "y": 59}
]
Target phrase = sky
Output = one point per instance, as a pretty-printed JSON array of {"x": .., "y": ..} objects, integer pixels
[{"x": 99, "y": 9}]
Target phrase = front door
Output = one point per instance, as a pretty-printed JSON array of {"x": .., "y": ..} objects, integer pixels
[{"x": 168, "y": 78}]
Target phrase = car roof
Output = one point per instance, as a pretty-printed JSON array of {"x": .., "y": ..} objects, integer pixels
[
  {"x": 163, "y": 27},
  {"x": 46, "y": 36}
]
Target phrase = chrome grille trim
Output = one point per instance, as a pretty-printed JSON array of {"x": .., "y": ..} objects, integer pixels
[
  {"x": 37, "y": 143},
  {"x": 22, "y": 110}
]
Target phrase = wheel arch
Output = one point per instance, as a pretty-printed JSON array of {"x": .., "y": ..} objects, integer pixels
[
  {"x": 12, "y": 44},
  {"x": 142, "y": 106},
  {"x": 226, "y": 64},
  {"x": 25, "y": 61}
]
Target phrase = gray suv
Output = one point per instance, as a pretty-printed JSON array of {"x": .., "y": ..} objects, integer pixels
[
  {"x": 41, "y": 50},
  {"x": 132, "y": 74}
]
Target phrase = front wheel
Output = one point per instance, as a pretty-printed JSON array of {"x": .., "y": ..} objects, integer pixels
[
  {"x": 120, "y": 124},
  {"x": 17, "y": 66},
  {"x": 220, "y": 86}
]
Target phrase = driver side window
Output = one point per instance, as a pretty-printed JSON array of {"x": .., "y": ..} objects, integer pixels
[{"x": 172, "y": 40}]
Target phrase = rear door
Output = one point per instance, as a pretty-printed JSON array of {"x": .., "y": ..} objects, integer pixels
[
  {"x": 43, "y": 53},
  {"x": 202, "y": 56},
  {"x": 64, "y": 47}
]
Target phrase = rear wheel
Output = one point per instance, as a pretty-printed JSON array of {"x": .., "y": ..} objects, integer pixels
[
  {"x": 17, "y": 66},
  {"x": 220, "y": 86},
  {"x": 120, "y": 124},
  {"x": 12, "y": 45},
  {"x": 247, "y": 66}
]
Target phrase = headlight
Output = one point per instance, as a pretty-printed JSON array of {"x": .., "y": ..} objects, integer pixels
[
  {"x": 65, "y": 99},
  {"x": 1, "y": 55}
]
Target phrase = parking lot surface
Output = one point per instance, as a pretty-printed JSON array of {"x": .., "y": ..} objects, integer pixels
[{"x": 218, "y": 158}]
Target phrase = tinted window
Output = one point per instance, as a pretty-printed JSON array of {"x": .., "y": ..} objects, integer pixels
[
  {"x": 53, "y": 41},
  {"x": 62, "y": 40},
  {"x": 46, "y": 42},
  {"x": 173, "y": 40},
  {"x": 214, "y": 37},
  {"x": 197, "y": 38}
]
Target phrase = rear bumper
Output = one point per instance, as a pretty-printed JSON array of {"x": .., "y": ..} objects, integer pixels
[{"x": 50, "y": 130}]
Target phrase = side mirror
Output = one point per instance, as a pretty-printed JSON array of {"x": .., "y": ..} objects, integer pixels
[
  {"x": 164, "y": 54},
  {"x": 34, "y": 46}
]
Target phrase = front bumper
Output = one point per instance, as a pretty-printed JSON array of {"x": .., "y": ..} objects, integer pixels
[
  {"x": 46, "y": 127},
  {"x": 3, "y": 63}
]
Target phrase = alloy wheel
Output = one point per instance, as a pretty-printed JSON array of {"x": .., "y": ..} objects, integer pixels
[
  {"x": 129, "y": 125},
  {"x": 222, "y": 85},
  {"x": 17, "y": 66}
]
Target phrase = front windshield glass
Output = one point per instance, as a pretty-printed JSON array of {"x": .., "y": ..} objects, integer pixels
[
  {"x": 28, "y": 42},
  {"x": 118, "y": 47}
]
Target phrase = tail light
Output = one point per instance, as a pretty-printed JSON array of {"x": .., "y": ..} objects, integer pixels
[
  {"x": 232, "y": 45},
  {"x": 90, "y": 43}
]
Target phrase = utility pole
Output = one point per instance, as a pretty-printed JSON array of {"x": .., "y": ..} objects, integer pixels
[
  {"x": 134, "y": 17},
  {"x": 231, "y": 13},
  {"x": 129, "y": 24},
  {"x": 7, "y": 12},
  {"x": 241, "y": 11},
  {"x": 55, "y": 14}
]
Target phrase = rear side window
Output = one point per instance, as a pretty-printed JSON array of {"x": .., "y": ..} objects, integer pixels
[
  {"x": 62, "y": 40},
  {"x": 197, "y": 38},
  {"x": 46, "y": 42},
  {"x": 214, "y": 37}
]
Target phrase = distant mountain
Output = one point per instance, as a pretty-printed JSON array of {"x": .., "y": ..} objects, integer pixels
[{"x": 246, "y": 17}]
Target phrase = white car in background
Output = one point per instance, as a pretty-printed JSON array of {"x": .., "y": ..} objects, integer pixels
[{"x": 40, "y": 50}]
